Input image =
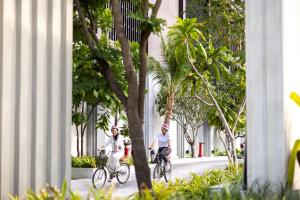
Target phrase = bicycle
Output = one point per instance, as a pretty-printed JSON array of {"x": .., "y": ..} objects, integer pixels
[
  {"x": 162, "y": 168},
  {"x": 100, "y": 175}
]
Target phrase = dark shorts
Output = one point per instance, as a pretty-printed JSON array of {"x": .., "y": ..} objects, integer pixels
[{"x": 163, "y": 152}]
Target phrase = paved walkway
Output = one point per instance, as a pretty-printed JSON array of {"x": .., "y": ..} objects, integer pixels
[{"x": 181, "y": 168}]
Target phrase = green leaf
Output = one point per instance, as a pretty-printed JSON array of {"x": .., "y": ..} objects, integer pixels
[
  {"x": 292, "y": 162},
  {"x": 96, "y": 94},
  {"x": 194, "y": 36},
  {"x": 64, "y": 189},
  {"x": 216, "y": 72},
  {"x": 209, "y": 61},
  {"x": 202, "y": 50}
]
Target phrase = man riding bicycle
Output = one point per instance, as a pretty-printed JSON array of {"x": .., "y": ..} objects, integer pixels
[{"x": 164, "y": 143}]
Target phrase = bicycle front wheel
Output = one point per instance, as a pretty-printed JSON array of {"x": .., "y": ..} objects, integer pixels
[
  {"x": 123, "y": 173},
  {"x": 157, "y": 172},
  {"x": 99, "y": 178},
  {"x": 167, "y": 171}
]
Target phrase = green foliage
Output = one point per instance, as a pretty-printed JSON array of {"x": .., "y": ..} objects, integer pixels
[
  {"x": 48, "y": 192},
  {"x": 124, "y": 129},
  {"x": 83, "y": 162},
  {"x": 239, "y": 153},
  {"x": 218, "y": 152},
  {"x": 152, "y": 24},
  {"x": 170, "y": 71},
  {"x": 223, "y": 70},
  {"x": 100, "y": 14},
  {"x": 223, "y": 20},
  {"x": 129, "y": 160},
  {"x": 91, "y": 87},
  {"x": 198, "y": 187},
  {"x": 292, "y": 163}
]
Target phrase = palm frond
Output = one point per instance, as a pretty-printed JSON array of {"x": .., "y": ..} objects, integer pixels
[{"x": 159, "y": 73}]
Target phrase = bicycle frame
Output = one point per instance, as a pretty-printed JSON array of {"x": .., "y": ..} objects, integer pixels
[{"x": 108, "y": 154}]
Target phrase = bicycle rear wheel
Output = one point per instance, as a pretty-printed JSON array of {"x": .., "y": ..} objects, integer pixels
[
  {"x": 167, "y": 171},
  {"x": 99, "y": 178},
  {"x": 157, "y": 172},
  {"x": 123, "y": 173}
]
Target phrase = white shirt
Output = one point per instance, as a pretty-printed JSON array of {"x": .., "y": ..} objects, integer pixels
[
  {"x": 119, "y": 142},
  {"x": 163, "y": 140}
]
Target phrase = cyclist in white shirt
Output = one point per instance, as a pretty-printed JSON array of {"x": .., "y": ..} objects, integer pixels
[
  {"x": 117, "y": 145},
  {"x": 164, "y": 143}
]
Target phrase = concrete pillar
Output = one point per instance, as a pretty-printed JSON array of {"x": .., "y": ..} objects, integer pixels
[
  {"x": 207, "y": 133},
  {"x": 35, "y": 94},
  {"x": 180, "y": 142},
  {"x": 272, "y": 49},
  {"x": 91, "y": 134}
]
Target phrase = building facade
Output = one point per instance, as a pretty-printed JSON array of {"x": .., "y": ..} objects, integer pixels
[{"x": 35, "y": 94}]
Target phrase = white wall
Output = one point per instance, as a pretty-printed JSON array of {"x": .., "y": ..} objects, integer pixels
[
  {"x": 272, "y": 49},
  {"x": 35, "y": 94}
]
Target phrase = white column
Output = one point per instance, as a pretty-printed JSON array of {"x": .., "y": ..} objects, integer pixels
[
  {"x": 35, "y": 94},
  {"x": 180, "y": 142},
  {"x": 91, "y": 132},
  {"x": 169, "y": 12},
  {"x": 272, "y": 49}
]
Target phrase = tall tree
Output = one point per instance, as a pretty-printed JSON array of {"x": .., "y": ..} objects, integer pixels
[
  {"x": 88, "y": 13},
  {"x": 207, "y": 63},
  {"x": 169, "y": 73},
  {"x": 88, "y": 90},
  {"x": 189, "y": 113}
]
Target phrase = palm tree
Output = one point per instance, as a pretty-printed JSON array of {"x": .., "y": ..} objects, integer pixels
[
  {"x": 203, "y": 60},
  {"x": 169, "y": 73}
]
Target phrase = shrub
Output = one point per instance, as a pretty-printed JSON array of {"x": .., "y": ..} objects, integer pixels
[
  {"x": 53, "y": 193},
  {"x": 196, "y": 188},
  {"x": 129, "y": 160},
  {"x": 240, "y": 153},
  {"x": 218, "y": 152},
  {"x": 83, "y": 162}
]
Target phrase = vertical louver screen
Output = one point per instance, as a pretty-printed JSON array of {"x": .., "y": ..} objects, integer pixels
[{"x": 131, "y": 25}]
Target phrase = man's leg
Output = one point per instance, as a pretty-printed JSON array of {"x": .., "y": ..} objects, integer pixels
[{"x": 160, "y": 156}]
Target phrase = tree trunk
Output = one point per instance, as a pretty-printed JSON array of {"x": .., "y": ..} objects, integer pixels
[
  {"x": 233, "y": 152},
  {"x": 78, "y": 151},
  {"x": 81, "y": 143},
  {"x": 226, "y": 146},
  {"x": 77, "y": 135},
  {"x": 170, "y": 105},
  {"x": 81, "y": 130},
  {"x": 192, "y": 149},
  {"x": 142, "y": 171},
  {"x": 116, "y": 117}
]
